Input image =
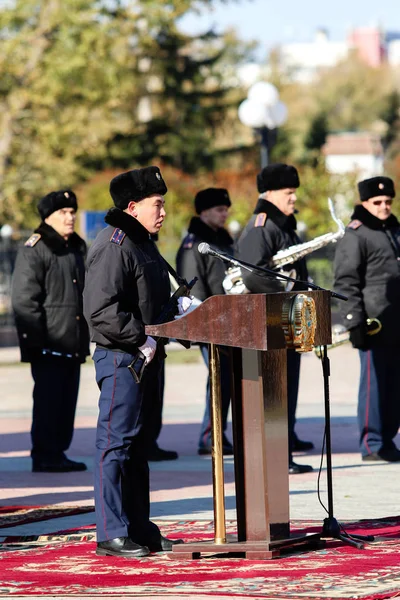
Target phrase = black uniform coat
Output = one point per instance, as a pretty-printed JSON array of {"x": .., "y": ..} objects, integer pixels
[
  {"x": 127, "y": 284},
  {"x": 367, "y": 270},
  {"x": 209, "y": 270},
  {"x": 267, "y": 232},
  {"x": 47, "y": 295}
]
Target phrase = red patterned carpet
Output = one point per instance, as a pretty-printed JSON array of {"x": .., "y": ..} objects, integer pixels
[{"x": 62, "y": 562}]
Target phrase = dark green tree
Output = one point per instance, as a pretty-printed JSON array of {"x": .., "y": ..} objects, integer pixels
[{"x": 186, "y": 83}]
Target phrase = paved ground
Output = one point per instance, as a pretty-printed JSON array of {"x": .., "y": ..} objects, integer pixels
[{"x": 183, "y": 488}]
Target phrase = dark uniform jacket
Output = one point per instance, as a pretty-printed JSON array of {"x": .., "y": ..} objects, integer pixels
[
  {"x": 47, "y": 295},
  {"x": 209, "y": 270},
  {"x": 267, "y": 232},
  {"x": 127, "y": 284},
  {"x": 367, "y": 270}
]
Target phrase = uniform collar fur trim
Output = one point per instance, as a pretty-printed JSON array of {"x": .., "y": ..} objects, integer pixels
[
  {"x": 129, "y": 225},
  {"x": 56, "y": 242},
  {"x": 284, "y": 222},
  {"x": 362, "y": 214},
  {"x": 203, "y": 231}
]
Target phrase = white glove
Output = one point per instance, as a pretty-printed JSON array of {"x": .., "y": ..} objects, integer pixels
[
  {"x": 183, "y": 303},
  {"x": 148, "y": 349}
]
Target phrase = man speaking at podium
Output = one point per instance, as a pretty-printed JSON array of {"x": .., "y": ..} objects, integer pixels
[
  {"x": 127, "y": 287},
  {"x": 271, "y": 228}
]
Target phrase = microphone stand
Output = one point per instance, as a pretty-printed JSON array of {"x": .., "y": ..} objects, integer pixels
[
  {"x": 268, "y": 272},
  {"x": 331, "y": 527}
]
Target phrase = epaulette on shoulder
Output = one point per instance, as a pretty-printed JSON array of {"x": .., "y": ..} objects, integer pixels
[
  {"x": 188, "y": 241},
  {"x": 118, "y": 236},
  {"x": 355, "y": 224},
  {"x": 260, "y": 219},
  {"x": 33, "y": 240}
]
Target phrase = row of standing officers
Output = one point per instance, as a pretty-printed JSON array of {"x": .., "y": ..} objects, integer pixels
[{"x": 127, "y": 286}]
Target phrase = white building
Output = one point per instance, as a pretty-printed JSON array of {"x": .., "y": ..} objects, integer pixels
[
  {"x": 350, "y": 152},
  {"x": 302, "y": 60}
]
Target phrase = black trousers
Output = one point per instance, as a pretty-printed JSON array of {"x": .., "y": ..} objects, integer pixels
[{"x": 55, "y": 394}]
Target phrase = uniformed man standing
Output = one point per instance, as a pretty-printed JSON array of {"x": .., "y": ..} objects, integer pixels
[
  {"x": 212, "y": 206},
  {"x": 272, "y": 228},
  {"x": 53, "y": 336},
  {"x": 367, "y": 271},
  {"x": 127, "y": 287}
]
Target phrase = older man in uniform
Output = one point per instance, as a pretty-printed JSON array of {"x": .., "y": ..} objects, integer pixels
[
  {"x": 272, "y": 228},
  {"x": 127, "y": 287},
  {"x": 367, "y": 271},
  {"x": 53, "y": 336},
  {"x": 211, "y": 206}
]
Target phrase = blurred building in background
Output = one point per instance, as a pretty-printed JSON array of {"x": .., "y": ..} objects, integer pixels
[
  {"x": 302, "y": 61},
  {"x": 357, "y": 151}
]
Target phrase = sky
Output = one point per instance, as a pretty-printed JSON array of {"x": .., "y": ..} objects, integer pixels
[{"x": 282, "y": 21}]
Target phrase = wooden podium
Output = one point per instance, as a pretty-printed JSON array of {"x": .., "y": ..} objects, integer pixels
[{"x": 252, "y": 325}]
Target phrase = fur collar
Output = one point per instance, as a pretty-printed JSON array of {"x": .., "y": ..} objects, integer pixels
[
  {"x": 362, "y": 214},
  {"x": 203, "y": 231},
  {"x": 284, "y": 222},
  {"x": 129, "y": 225},
  {"x": 56, "y": 242}
]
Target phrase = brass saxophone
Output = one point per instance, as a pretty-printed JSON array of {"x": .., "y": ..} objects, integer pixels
[
  {"x": 341, "y": 335},
  {"x": 233, "y": 281}
]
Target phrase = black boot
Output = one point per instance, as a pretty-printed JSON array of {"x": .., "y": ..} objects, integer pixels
[
  {"x": 122, "y": 546},
  {"x": 63, "y": 465},
  {"x": 296, "y": 469}
]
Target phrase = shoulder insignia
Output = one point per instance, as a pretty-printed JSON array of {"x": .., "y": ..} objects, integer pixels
[
  {"x": 118, "y": 236},
  {"x": 33, "y": 240},
  {"x": 260, "y": 219},
  {"x": 354, "y": 224},
  {"x": 188, "y": 241}
]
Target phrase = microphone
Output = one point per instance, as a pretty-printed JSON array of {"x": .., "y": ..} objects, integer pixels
[{"x": 205, "y": 248}]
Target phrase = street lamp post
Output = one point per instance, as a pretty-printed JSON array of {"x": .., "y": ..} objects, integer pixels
[{"x": 264, "y": 112}]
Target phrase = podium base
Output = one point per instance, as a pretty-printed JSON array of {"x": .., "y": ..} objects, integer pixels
[{"x": 252, "y": 550}]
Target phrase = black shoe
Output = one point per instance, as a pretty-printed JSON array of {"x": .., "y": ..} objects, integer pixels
[
  {"x": 162, "y": 544},
  {"x": 295, "y": 468},
  {"x": 389, "y": 455},
  {"x": 157, "y": 454},
  {"x": 301, "y": 445},
  {"x": 64, "y": 465},
  {"x": 227, "y": 450},
  {"x": 122, "y": 546}
]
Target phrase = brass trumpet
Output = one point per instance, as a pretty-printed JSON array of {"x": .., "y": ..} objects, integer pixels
[{"x": 340, "y": 335}]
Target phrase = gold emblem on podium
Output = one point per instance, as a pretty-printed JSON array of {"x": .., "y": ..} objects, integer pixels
[{"x": 299, "y": 321}]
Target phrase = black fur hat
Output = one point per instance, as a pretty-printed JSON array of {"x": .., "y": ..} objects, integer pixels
[
  {"x": 55, "y": 201},
  {"x": 376, "y": 186},
  {"x": 135, "y": 185},
  {"x": 211, "y": 197},
  {"x": 277, "y": 177}
]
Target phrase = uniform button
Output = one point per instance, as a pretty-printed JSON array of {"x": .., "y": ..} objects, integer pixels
[
  {"x": 74, "y": 281},
  {"x": 76, "y": 354},
  {"x": 78, "y": 318},
  {"x": 24, "y": 335}
]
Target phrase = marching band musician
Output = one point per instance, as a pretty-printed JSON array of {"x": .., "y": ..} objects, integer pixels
[
  {"x": 271, "y": 228},
  {"x": 211, "y": 205},
  {"x": 367, "y": 270}
]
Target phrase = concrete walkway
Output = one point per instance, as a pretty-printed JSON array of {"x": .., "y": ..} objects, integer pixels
[{"x": 182, "y": 489}]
